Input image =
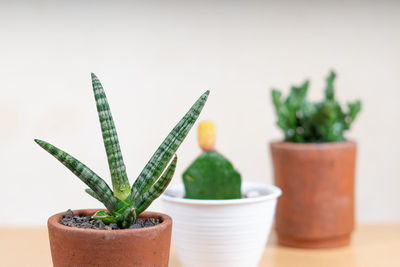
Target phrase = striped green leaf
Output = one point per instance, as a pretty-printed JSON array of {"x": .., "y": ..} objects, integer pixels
[
  {"x": 116, "y": 164},
  {"x": 93, "y": 194},
  {"x": 166, "y": 150},
  {"x": 105, "y": 217},
  {"x": 127, "y": 218},
  {"x": 87, "y": 176},
  {"x": 157, "y": 189}
]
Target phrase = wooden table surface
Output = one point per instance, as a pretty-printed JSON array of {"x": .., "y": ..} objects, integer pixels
[{"x": 372, "y": 245}]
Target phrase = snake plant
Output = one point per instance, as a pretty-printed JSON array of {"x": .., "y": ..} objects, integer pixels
[
  {"x": 124, "y": 203},
  {"x": 306, "y": 122}
]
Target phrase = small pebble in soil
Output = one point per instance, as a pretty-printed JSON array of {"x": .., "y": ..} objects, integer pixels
[{"x": 86, "y": 222}]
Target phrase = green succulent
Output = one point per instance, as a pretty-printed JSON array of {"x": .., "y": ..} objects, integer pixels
[
  {"x": 212, "y": 176},
  {"x": 306, "y": 122},
  {"x": 126, "y": 202}
]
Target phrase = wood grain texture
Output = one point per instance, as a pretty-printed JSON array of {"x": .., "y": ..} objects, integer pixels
[{"x": 372, "y": 245}]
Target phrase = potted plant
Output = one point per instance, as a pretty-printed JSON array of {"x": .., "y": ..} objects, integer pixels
[
  {"x": 315, "y": 168},
  {"x": 218, "y": 221},
  {"x": 122, "y": 235}
]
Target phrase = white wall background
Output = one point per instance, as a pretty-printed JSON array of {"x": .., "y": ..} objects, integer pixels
[{"x": 156, "y": 58}]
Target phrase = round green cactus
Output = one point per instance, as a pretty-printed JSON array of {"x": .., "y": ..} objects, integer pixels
[{"x": 211, "y": 175}]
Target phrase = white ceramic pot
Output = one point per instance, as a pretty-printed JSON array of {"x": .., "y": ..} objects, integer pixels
[{"x": 223, "y": 233}]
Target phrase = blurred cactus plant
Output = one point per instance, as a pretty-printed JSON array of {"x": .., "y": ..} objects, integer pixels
[
  {"x": 211, "y": 175},
  {"x": 306, "y": 122},
  {"x": 125, "y": 203}
]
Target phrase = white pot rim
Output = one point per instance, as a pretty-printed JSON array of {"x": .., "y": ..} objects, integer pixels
[{"x": 273, "y": 193}]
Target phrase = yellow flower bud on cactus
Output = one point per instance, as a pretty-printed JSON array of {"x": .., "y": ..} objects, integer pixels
[{"x": 206, "y": 135}]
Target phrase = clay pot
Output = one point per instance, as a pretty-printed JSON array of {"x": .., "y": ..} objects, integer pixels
[
  {"x": 128, "y": 247},
  {"x": 316, "y": 209}
]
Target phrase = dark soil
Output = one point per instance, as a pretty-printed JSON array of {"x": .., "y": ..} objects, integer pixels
[{"x": 86, "y": 222}]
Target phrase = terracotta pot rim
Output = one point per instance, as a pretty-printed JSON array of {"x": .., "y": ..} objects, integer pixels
[
  {"x": 312, "y": 146},
  {"x": 54, "y": 220},
  {"x": 273, "y": 193}
]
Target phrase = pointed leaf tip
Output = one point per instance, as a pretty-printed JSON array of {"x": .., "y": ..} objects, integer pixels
[
  {"x": 206, "y": 94},
  {"x": 39, "y": 142}
]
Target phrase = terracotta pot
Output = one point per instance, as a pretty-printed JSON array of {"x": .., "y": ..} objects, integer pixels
[
  {"x": 128, "y": 247},
  {"x": 316, "y": 209}
]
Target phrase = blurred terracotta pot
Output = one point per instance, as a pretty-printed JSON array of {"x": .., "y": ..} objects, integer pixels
[
  {"x": 316, "y": 209},
  {"x": 128, "y": 247}
]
